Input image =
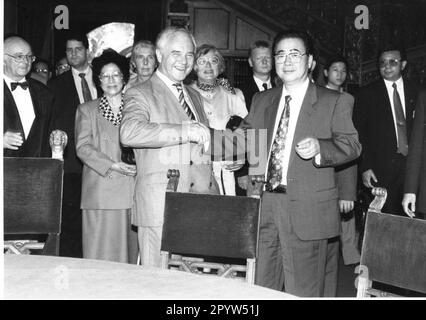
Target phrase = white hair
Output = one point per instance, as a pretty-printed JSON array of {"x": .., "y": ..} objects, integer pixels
[{"x": 169, "y": 33}]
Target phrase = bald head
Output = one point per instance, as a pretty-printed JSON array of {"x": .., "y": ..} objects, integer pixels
[{"x": 17, "y": 58}]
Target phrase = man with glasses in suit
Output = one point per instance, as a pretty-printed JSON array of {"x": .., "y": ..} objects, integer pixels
[{"x": 27, "y": 104}]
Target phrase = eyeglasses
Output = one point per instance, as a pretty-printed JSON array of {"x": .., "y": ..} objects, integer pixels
[
  {"x": 41, "y": 70},
  {"x": 213, "y": 61},
  {"x": 63, "y": 67},
  {"x": 22, "y": 57},
  {"x": 260, "y": 59},
  {"x": 294, "y": 56},
  {"x": 390, "y": 62},
  {"x": 114, "y": 76}
]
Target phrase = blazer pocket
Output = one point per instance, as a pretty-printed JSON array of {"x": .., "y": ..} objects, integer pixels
[{"x": 326, "y": 195}]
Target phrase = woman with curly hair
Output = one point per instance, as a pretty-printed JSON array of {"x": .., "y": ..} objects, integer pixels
[{"x": 108, "y": 183}]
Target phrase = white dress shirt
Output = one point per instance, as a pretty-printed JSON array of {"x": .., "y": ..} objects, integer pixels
[
  {"x": 24, "y": 103},
  {"x": 170, "y": 84},
  {"x": 89, "y": 79},
  {"x": 295, "y": 104},
  {"x": 260, "y": 83},
  {"x": 400, "y": 88}
]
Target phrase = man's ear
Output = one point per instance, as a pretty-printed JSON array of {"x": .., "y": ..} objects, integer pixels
[
  {"x": 159, "y": 56},
  {"x": 250, "y": 62},
  {"x": 326, "y": 73},
  {"x": 403, "y": 64}
]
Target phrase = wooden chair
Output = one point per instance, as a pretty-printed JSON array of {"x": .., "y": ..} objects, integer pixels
[
  {"x": 32, "y": 204},
  {"x": 393, "y": 251},
  {"x": 197, "y": 226}
]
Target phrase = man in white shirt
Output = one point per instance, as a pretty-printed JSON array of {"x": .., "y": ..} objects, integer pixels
[
  {"x": 70, "y": 89},
  {"x": 309, "y": 132},
  {"x": 383, "y": 116},
  {"x": 27, "y": 104},
  {"x": 260, "y": 60},
  {"x": 163, "y": 120}
]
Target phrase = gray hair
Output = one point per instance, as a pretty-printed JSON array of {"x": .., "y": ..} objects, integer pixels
[
  {"x": 168, "y": 33},
  {"x": 141, "y": 44}
]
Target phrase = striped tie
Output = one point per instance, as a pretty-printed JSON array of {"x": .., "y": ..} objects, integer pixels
[{"x": 182, "y": 101}]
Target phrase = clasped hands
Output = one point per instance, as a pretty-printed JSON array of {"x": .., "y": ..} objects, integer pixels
[
  {"x": 124, "y": 169},
  {"x": 308, "y": 148}
]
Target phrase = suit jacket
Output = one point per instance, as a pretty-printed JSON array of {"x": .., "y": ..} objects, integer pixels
[
  {"x": 98, "y": 147},
  {"x": 374, "y": 122},
  {"x": 249, "y": 88},
  {"x": 37, "y": 142},
  {"x": 415, "y": 178},
  {"x": 311, "y": 187},
  {"x": 154, "y": 124},
  {"x": 347, "y": 174},
  {"x": 65, "y": 105}
]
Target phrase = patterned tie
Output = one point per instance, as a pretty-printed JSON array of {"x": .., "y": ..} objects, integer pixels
[
  {"x": 401, "y": 127},
  {"x": 23, "y": 85},
  {"x": 85, "y": 88},
  {"x": 275, "y": 169},
  {"x": 182, "y": 101},
  {"x": 265, "y": 86}
]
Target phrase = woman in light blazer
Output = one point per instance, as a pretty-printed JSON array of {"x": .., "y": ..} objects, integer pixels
[{"x": 108, "y": 183}]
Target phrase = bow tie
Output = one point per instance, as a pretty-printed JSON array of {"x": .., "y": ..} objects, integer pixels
[{"x": 24, "y": 85}]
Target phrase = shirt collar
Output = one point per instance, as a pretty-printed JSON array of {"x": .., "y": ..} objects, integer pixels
[
  {"x": 260, "y": 82},
  {"x": 299, "y": 92},
  {"x": 76, "y": 73},
  {"x": 399, "y": 83},
  {"x": 166, "y": 80},
  {"x": 9, "y": 81}
]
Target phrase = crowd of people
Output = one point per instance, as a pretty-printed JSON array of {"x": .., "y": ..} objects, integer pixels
[{"x": 130, "y": 120}]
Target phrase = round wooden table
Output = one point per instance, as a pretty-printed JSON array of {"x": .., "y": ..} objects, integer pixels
[{"x": 48, "y": 277}]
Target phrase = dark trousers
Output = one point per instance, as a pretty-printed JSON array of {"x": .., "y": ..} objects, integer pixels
[
  {"x": 306, "y": 268},
  {"x": 71, "y": 228}
]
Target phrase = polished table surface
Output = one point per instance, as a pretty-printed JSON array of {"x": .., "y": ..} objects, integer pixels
[{"x": 47, "y": 277}]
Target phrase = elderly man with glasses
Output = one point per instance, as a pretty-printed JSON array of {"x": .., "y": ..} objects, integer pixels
[
  {"x": 27, "y": 104},
  {"x": 383, "y": 116}
]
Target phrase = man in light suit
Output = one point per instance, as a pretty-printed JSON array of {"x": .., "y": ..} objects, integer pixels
[
  {"x": 27, "y": 104},
  {"x": 163, "y": 121},
  {"x": 383, "y": 134},
  {"x": 300, "y": 215},
  {"x": 70, "y": 89},
  {"x": 414, "y": 200}
]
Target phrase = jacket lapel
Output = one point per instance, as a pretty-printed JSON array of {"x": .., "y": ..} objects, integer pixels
[
  {"x": 37, "y": 110},
  {"x": 11, "y": 111},
  {"x": 303, "y": 125},
  {"x": 410, "y": 94},
  {"x": 271, "y": 116}
]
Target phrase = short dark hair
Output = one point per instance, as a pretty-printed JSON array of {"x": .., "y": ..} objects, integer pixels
[
  {"x": 334, "y": 59},
  {"x": 78, "y": 36},
  {"x": 258, "y": 44},
  {"x": 110, "y": 56},
  {"x": 393, "y": 46},
  {"x": 302, "y": 35},
  {"x": 39, "y": 60}
]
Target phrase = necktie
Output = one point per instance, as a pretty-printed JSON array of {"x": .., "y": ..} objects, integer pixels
[
  {"x": 85, "y": 88},
  {"x": 23, "y": 85},
  {"x": 265, "y": 86},
  {"x": 401, "y": 127},
  {"x": 275, "y": 164},
  {"x": 182, "y": 101}
]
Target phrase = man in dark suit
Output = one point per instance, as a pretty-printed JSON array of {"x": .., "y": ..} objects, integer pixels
[
  {"x": 27, "y": 104},
  {"x": 71, "y": 89},
  {"x": 383, "y": 116},
  {"x": 414, "y": 200},
  {"x": 260, "y": 60},
  {"x": 309, "y": 132}
]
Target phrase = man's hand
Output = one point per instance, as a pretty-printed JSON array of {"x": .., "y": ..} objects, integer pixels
[
  {"x": 243, "y": 182},
  {"x": 124, "y": 168},
  {"x": 346, "y": 206},
  {"x": 12, "y": 140},
  {"x": 198, "y": 133},
  {"x": 366, "y": 178},
  {"x": 308, "y": 148},
  {"x": 409, "y": 204}
]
